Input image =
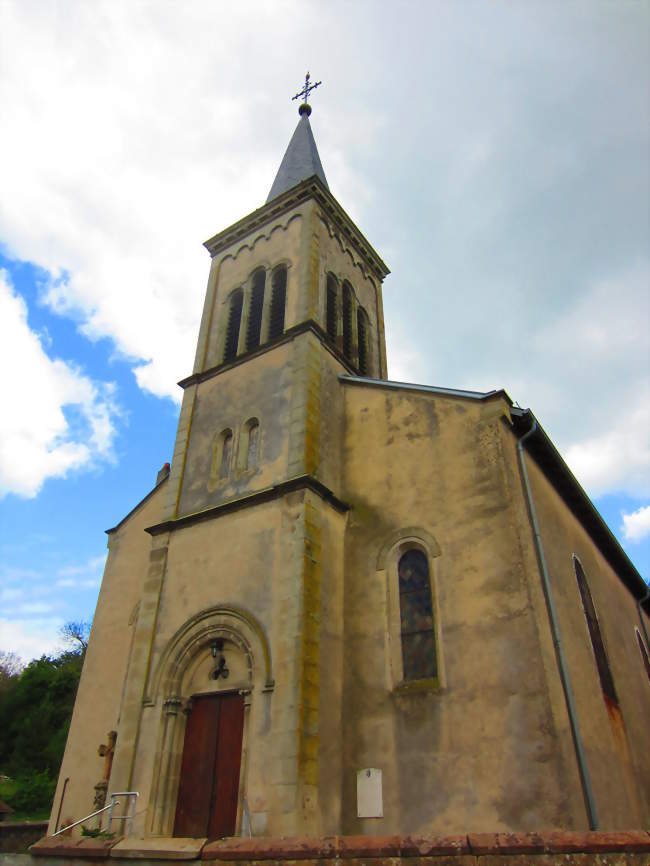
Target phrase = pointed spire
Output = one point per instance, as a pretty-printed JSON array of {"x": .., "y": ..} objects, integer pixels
[{"x": 301, "y": 159}]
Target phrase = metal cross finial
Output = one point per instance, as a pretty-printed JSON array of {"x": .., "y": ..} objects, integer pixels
[{"x": 307, "y": 89}]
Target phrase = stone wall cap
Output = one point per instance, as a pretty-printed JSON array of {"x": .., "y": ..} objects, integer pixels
[
  {"x": 559, "y": 842},
  {"x": 21, "y": 825},
  {"x": 426, "y": 845},
  {"x": 271, "y": 848},
  {"x": 70, "y": 846},
  {"x": 158, "y": 848}
]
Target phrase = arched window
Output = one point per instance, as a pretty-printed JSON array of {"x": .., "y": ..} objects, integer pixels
[
  {"x": 252, "y": 447},
  {"x": 362, "y": 336},
  {"x": 226, "y": 453},
  {"x": 221, "y": 457},
  {"x": 597, "y": 644},
  {"x": 331, "y": 305},
  {"x": 347, "y": 321},
  {"x": 644, "y": 652},
  {"x": 255, "y": 311},
  {"x": 416, "y": 616},
  {"x": 278, "y": 302},
  {"x": 232, "y": 328}
]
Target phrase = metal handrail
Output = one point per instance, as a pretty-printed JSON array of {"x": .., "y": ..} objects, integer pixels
[{"x": 114, "y": 802}]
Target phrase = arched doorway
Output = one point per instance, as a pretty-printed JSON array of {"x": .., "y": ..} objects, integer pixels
[{"x": 206, "y": 677}]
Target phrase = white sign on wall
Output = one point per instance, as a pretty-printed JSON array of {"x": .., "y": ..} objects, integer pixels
[{"x": 369, "y": 796}]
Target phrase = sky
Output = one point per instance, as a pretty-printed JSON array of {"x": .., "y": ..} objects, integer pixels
[{"x": 494, "y": 153}]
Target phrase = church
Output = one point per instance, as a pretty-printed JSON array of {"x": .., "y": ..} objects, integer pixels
[{"x": 353, "y": 606}]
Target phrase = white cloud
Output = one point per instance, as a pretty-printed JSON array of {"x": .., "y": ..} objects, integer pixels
[
  {"x": 32, "y": 613},
  {"x": 94, "y": 566},
  {"x": 618, "y": 459},
  {"x": 10, "y": 595},
  {"x": 148, "y": 153},
  {"x": 636, "y": 525},
  {"x": 511, "y": 206},
  {"x": 88, "y": 575},
  {"x": 54, "y": 419},
  {"x": 30, "y": 638}
]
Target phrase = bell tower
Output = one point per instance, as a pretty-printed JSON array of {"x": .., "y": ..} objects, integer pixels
[
  {"x": 249, "y": 552},
  {"x": 293, "y": 299}
]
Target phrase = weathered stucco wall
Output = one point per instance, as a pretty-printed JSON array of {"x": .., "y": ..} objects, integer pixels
[
  {"x": 281, "y": 564},
  {"x": 616, "y": 738},
  {"x": 97, "y": 708},
  {"x": 480, "y": 750},
  {"x": 261, "y": 389}
]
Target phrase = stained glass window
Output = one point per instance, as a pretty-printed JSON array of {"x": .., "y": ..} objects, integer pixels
[
  {"x": 362, "y": 337},
  {"x": 278, "y": 302},
  {"x": 644, "y": 652},
  {"x": 232, "y": 329},
  {"x": 347, "y": 321},
  {"x": 597, "y": 643},
  {"x": 255, "y": 312},
  {"x": 416, "y": 617}
]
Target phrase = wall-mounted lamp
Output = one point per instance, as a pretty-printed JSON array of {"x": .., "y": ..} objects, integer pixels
[{"x": 216, "y": 646}]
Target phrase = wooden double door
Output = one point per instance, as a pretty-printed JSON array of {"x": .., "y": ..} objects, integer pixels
[{"x": 209, "y": 783}]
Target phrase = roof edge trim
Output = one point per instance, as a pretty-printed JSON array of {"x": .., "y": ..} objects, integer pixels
[
  {"x": 136, "y": 507},
  {"x": 610, "y": 546},
  {"x": 427, "y": 389},
  {"x": 312, "y": 187}
]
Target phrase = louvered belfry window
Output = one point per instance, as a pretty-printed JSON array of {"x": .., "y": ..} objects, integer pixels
[
  {"x": 254, "y": 329},
  {"x": 347, "y": 321},
  {"x": 416, "y": 617},
  {"x": 331, "y": 311},
  {"x": 278, "y": 302},
  {"x": 362, "y": 337},
  {"x": 234, "y": 323}
]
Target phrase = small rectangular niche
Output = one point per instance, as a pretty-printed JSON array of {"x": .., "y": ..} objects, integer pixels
[{"x": 369, "y": 794}]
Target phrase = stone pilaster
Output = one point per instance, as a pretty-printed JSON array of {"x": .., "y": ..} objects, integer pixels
[{"x": 138, "y": 673}]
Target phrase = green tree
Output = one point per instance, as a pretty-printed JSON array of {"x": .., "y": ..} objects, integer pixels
[{"x": 35, "y": 709}]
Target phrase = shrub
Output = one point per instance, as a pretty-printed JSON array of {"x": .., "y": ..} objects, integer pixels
[{"x": 34, "y": 792}]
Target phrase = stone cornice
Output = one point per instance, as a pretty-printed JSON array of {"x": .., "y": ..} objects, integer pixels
[
  {"x": 312, "y": 188},
  {"x": 309, "y": 325},
  {"x": 301, "y": 482}
]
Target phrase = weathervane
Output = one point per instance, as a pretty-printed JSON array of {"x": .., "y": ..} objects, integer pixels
[{"x": 305, "y": 107}]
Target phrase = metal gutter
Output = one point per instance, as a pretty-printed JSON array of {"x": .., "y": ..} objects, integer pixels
[
  {"x": 544, "y": 452},
  {"x": 583, "y": 770}
]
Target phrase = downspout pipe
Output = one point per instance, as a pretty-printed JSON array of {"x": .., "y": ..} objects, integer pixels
[{"x": 583, "y": 770}]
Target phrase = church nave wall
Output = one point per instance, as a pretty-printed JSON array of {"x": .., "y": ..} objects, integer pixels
[{"x": 427, "y": 471}]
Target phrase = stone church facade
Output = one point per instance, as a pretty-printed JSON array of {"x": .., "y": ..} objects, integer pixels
[{"x": 354, "y": 606}]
